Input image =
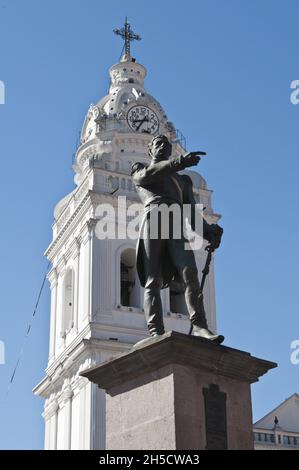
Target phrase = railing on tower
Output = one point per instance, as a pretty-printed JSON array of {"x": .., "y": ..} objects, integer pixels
[
  {"x": 115, "y": 123},
  {"x": 181, "y": 139},
  {"x": 106, "y": 123},
  {"x": 120, "y": 124}
]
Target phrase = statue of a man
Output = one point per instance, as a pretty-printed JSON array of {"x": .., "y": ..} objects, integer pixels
[{"x": 161, "y": 259}]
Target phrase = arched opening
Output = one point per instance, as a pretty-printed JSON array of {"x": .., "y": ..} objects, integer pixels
[
  {"x": 68, "y": 301},
  {"x": 113, "y": 182},
  {"x": 129, "y": 282}
]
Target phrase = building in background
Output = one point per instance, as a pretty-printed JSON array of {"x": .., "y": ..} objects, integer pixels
[
  {"x": 279, "y": 429},
  {"x": 96, "y": 297}
]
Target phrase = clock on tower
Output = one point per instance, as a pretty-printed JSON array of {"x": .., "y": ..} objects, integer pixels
[{"x": 143, "y": 119}]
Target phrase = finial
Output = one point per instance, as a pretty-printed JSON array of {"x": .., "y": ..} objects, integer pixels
[{"x": 128, "y": 35}]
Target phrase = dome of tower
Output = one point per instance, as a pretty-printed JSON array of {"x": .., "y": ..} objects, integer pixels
[
  {"x": 128, "y": 111},
  {"x": 126, "y": 91}
]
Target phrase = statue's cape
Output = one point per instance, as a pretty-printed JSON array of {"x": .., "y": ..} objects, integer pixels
[{"x": 168, "y": 270}]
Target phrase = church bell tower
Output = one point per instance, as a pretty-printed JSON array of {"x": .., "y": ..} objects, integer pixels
[{"x": 96, "y": 297}]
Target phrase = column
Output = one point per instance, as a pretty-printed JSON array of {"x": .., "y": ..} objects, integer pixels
[
  {"x": 53, "y": 280},
  {"x": 98, "y": 418},
  {"x": 91, "y": 225},
  {"x": 67, "y": 396},
  {"x": 50, "y": 416},
  {"x": 77, "y": 285}
]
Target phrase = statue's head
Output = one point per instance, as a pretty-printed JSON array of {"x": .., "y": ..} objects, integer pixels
[{"x": 160, "y": 148}]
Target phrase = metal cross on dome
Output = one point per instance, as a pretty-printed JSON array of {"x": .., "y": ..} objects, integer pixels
[{"x": 128, "y": 35}]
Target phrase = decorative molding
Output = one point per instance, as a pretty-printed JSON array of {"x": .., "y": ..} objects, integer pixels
[
  {"x": 54, "y": 243},
  {"x": 91, "y": 223},
  {"x": 52, "y": 277},
  {"x": 82, "y": 190},
  {"x": 50, "y": 410},
  {"x": 67, "y": 394}
]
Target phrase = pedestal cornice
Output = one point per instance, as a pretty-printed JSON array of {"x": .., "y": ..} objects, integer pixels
[{"x": 178, "y": 348}]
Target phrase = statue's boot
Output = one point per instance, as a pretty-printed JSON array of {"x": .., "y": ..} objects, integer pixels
[
  {"x": 199, "y": 325},
  {"x": 207, "y": 334},
  {"x": 154, "y": 332}
]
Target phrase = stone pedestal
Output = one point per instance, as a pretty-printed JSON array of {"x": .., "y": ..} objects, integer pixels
[{"x": 179, "y": 392}]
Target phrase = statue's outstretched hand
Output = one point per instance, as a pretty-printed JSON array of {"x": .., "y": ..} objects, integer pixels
[{"x": 192, "y": 158}]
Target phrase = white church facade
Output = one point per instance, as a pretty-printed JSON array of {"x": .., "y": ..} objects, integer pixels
[{"x": 96, "y": 297}]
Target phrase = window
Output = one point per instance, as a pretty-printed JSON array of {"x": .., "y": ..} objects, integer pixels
[
  {"x": 289, "y": 440},
  {"x": 68, "y": 302},
  {"x": 113, "y": 182},
  {"x": 129, "y": 282},
  {"x": 266, "y": 437}
]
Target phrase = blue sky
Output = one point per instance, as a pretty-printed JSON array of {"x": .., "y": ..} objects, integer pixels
[{"x": 222, "y": 70}]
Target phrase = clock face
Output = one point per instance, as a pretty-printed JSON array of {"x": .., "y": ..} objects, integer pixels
[{"x": 143, "y": 119}]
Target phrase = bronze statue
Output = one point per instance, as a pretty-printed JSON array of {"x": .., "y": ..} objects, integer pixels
[{"x": 160, "y": 260}]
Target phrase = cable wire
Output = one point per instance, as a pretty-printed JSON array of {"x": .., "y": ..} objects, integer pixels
[{"x": 27, "y": 333}]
